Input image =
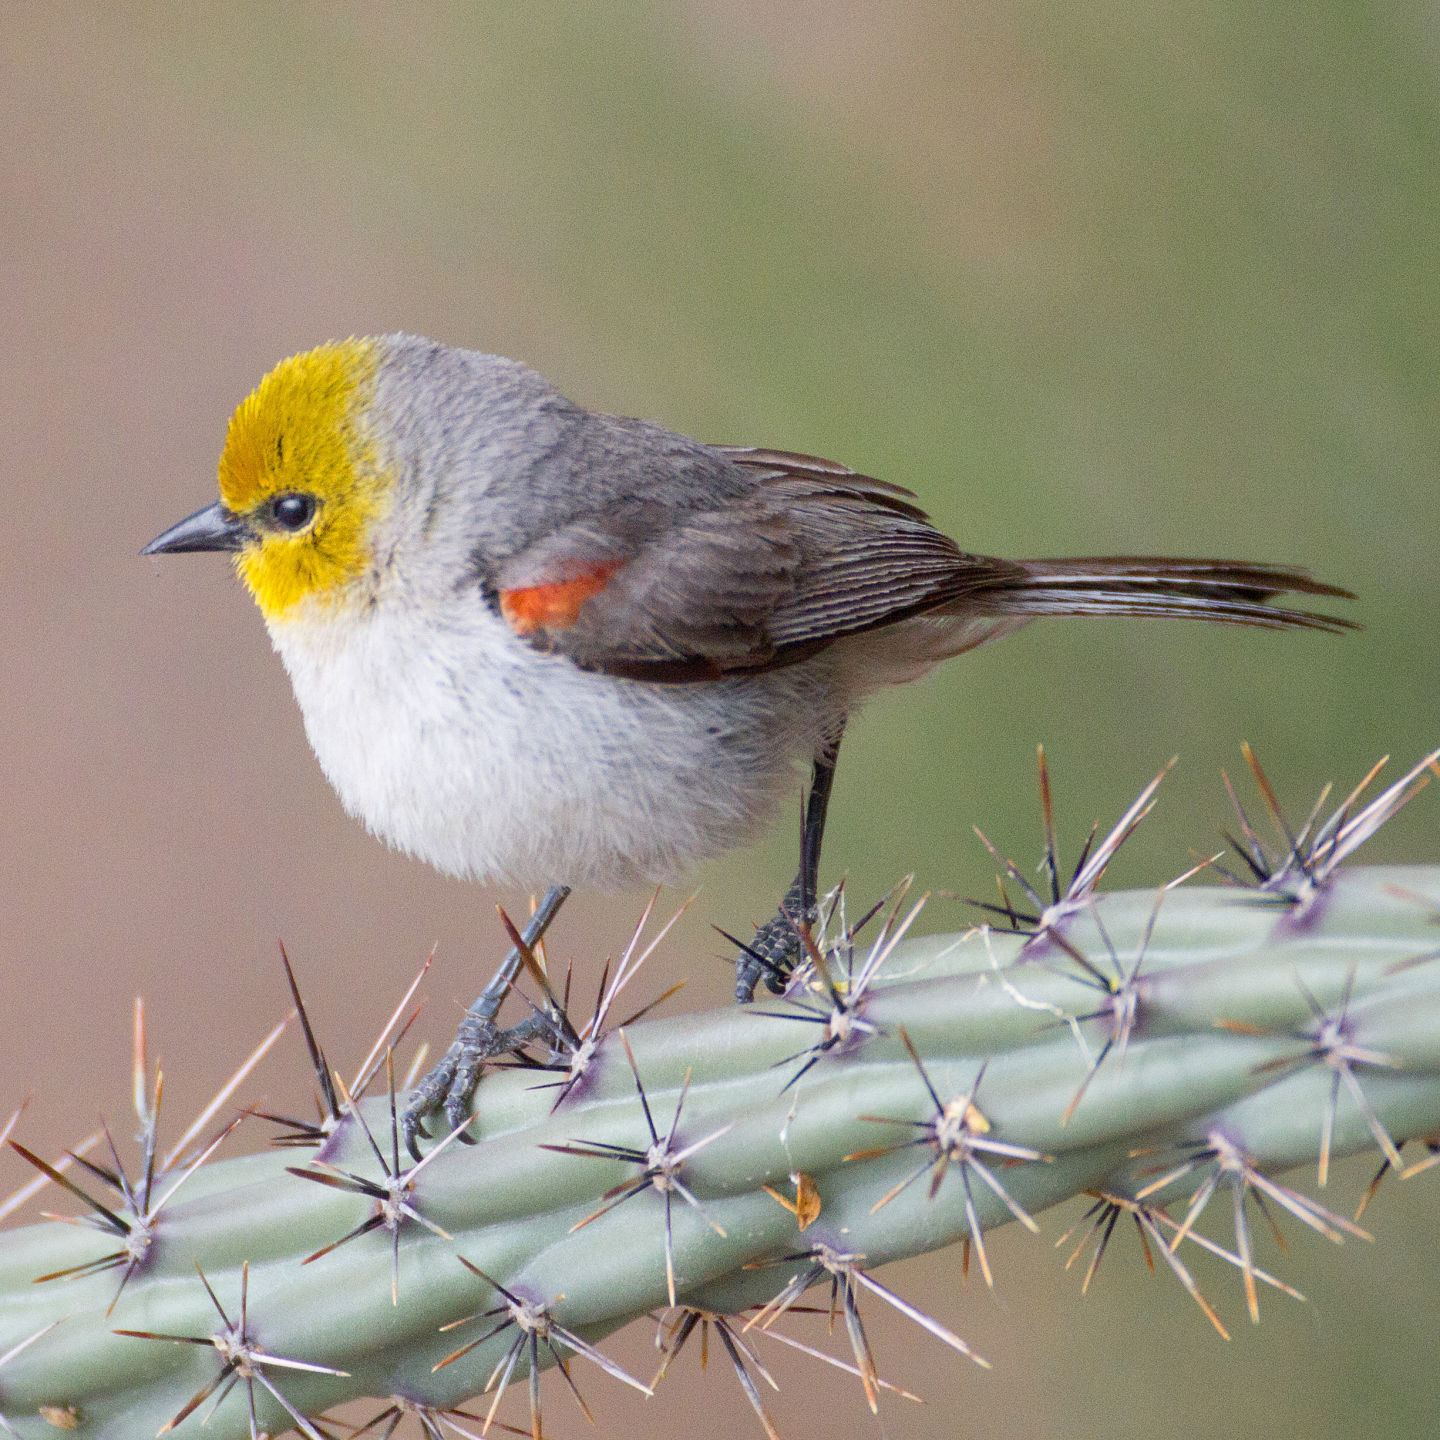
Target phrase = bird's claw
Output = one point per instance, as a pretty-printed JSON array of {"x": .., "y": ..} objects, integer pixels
[
  {"x": 771, "y": 956},
  {"x": 451, "y": 1084},
  {"x": 424, "y": 1100}
]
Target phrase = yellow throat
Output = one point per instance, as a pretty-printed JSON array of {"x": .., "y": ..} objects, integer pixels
[{"x": 303, "y": 431}]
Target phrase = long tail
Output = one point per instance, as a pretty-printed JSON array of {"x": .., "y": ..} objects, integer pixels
[{"x": 1232, "y": 592}]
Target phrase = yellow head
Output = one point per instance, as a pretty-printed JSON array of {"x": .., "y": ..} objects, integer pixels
[{"x": 301, "y": 486}]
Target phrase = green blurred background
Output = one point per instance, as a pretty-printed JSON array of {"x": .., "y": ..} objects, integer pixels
[{"x": 1090, "y": 278}]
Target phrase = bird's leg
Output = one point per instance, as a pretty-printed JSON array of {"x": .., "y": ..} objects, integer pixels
[
  {"x": 776, "y": 949},
  {"x": 452, "y": 1082}
]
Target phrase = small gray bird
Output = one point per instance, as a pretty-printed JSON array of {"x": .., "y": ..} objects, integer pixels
[{"x": 544, "y": 645}]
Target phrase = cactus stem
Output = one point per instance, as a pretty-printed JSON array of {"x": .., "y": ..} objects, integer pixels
[
  {"x": 841, "y": 1011},
  {"x": 1330, "y": 1041},
  {"x": 573, "y": 1049},
  {"x": 1250, "y": 1024},
  {"x": 957, "y": 1134},
  {"x": 393, "y": 1198},
  {"x": 661, "y": 1163},
  {"x": 534, "y": 1326},
  {"x": 242, "y": 1359}
]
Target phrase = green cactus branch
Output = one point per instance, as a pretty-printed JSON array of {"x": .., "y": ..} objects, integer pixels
[{"x": 1170, "y": 1054}]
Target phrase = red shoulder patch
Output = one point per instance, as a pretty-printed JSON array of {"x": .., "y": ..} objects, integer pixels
[{"x": 554, "y": 606}]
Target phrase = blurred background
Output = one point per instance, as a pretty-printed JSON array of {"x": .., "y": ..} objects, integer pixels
[{"x": 1088, "y": 278}]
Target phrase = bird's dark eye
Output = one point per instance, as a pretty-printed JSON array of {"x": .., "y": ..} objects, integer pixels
[{"x": 292, "y": 512}]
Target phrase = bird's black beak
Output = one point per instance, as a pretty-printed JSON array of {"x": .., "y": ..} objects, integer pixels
[{"x": 213, "y": 528}]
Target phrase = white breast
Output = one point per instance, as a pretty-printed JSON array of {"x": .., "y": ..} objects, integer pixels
[{"x": 454, "y": 741}]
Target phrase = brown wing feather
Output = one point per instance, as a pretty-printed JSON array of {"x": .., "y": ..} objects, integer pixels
[
  {"x": 869, "y": 554},
  {"x": 690, "y": 601},
  {"x": 814, "y": 551},
  {"x": 827, "y": 476}
]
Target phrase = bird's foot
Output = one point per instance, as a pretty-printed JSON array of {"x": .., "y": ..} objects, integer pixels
[
  {"x": 771, "y": 956},
  {"x": 450, "y": 1085}
]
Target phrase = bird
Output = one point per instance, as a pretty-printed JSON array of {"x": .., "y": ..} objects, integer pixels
[{"x": 540, "y": 644}]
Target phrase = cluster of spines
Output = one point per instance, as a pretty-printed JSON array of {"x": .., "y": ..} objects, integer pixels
[{"x": 833, "y": 994}]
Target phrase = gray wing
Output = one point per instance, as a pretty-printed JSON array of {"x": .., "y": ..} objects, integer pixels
[
  {"x": 801, "y": 553},
  {"x": 794, "y": 553}
]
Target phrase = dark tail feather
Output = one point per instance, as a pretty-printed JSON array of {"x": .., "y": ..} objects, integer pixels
[{"x": 1228, "y": 591}]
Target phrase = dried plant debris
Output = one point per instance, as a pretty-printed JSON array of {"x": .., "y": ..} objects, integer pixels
[{"x": 805, "y": 1205}]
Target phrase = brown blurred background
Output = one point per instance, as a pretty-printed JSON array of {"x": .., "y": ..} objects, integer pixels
[{"x": 1123, "y": 277}]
